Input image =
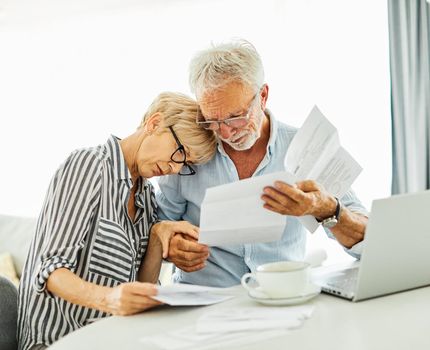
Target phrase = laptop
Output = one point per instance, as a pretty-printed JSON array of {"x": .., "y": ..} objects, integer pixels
[{"x": 395, "y": 255}]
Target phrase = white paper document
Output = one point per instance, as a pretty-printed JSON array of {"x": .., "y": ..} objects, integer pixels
[
  {"x": 315, "y": 153},
  {"x": 254, "y": 318},
  {"x": 186, "y": 338},
  {"x": 234, "y": 213},
  {"x": 191, "y": 295},
  {"x": 233, "y": 327}
]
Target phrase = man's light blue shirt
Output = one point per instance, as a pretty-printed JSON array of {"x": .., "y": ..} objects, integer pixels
[{"x": 180, "y": 198}]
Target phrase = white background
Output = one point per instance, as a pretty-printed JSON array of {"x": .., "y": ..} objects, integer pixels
[{"x": 73, "y": 72}]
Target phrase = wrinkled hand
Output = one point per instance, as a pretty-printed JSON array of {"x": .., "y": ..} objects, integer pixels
[
  {"x": 187, "y": 254},
  {"x": 130, "y": 298},
  {"x": 163, "y": 232},
  {"x": 303, "y": 198}
]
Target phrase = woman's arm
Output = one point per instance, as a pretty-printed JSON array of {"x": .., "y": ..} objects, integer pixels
[
  {"x": 151, "y": 264},
  {"x": 124, "y": 299},
  {"x": 158, "y": 246}
]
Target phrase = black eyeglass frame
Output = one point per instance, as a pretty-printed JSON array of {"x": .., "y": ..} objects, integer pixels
[{"x": 184, "y": 162}]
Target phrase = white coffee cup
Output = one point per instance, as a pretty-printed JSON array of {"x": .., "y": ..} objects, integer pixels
[{"x": 282, "y": 279}]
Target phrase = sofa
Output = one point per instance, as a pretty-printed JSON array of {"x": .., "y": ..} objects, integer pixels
[{"x": 15, "y": 238}]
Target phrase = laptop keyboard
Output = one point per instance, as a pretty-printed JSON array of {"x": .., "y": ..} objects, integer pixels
[{"x": 345, "y": 281}]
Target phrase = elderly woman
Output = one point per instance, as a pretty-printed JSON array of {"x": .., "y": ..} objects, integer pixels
[{"x": 98, "y": 246}]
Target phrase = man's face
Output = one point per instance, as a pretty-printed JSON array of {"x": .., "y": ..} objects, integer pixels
[{"x": 232, "y": 101}]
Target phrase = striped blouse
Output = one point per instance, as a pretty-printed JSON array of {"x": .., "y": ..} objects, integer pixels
[{"x": 83, "y": 226}]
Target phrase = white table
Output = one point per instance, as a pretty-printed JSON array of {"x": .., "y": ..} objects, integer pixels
[{"x": 398, "y": 321}]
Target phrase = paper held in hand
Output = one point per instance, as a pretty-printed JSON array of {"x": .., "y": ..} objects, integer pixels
[
  {"x": 191, "y": 295},
  {"x": 234, "y": 213}
]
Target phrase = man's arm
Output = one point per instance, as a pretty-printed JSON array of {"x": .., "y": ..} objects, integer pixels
[
  {"x": 309, "y": 198},
  {"x": 350, "y": 228},
  {"x": 184, "y": 251}
]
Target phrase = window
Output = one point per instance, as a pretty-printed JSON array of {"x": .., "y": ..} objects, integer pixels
[{"x": 72, "y": 76}]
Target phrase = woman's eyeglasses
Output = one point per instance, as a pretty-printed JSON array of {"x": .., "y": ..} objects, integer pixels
[{"x": 180, "y": 157}]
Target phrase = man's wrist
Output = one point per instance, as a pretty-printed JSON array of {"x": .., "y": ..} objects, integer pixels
[{"x": 328, "y": 209}]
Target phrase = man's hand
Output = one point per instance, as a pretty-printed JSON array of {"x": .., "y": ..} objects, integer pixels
[
  {"x": 302, "y": 198},
  {"x": 309, "y": 198},
  {"x": 187, "y": 254}
]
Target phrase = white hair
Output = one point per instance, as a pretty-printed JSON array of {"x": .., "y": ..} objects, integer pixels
[{"x": 221, "y": 64}]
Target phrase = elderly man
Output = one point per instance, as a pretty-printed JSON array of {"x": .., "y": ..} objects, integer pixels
[{"x": 228, "y": 81}]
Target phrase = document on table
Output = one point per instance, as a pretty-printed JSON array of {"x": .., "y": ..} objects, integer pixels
[
  {"x": 234, "y": 213},
  {"x": 256, "y": 318},
  {"x": 232, "y": 327},
  {"x": 191, "y": 295}
]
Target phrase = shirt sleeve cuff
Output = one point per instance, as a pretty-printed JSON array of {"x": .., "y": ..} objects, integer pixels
[
  {"x": 46, "y": 268},
  {"x": 356, "y": 250}
]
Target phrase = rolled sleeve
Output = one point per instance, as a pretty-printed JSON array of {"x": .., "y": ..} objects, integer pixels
[
  {"x": 351, "y": 201},
  {"x": 356, "y": 250},
  {"x": 45, "y": 270}
]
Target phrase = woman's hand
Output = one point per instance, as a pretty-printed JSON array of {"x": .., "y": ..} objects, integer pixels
[
  {"x": 163, "y": 232},
  {"x": 130, "y": 298},
  {"x": 124, "y": 299}
]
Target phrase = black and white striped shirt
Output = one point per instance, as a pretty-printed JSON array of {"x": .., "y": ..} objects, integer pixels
[{"x": 83, "y": 226}]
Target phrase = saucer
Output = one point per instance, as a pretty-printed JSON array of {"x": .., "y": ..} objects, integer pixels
[{"x": 310, "y": 292}]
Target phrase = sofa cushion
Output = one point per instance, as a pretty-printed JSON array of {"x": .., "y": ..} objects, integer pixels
[
  {"x": 7, "y": 268},
  {"x": 16, "y": 234}
]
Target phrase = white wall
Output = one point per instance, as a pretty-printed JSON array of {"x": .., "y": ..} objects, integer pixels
[{"x": 71, "y": 75}]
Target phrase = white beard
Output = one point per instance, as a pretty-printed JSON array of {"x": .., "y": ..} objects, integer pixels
[
  {"x": 249, "y": 140},
  {"x": 246, "y": 143}
]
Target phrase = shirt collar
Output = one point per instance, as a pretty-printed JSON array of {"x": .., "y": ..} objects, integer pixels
[
  {"x": 274, "y": 125},
  {"x": 272, "y": 138},
  {"x": 121, "y": 172},
  {"x": 114, "y": 151},
  {"x": 142, "y": 191}
]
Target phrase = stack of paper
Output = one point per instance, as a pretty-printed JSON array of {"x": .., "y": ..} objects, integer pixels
[
  {"x": 253, "y": 318},
  {"x": 232, "y": 327}
]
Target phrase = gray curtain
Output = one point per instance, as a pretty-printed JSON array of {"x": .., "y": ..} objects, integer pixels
[{"x": 409, "y": 30}]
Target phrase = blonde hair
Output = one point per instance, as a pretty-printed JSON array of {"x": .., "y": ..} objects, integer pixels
[
  {"x": 221, "y": 64},
  {"x": 180, "y": 112}
]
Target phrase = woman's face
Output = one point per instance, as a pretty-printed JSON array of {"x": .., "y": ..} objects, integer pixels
[{"x": 155, "y": 152}]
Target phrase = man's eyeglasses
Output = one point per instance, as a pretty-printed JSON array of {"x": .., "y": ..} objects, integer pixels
[
  {"x": 234, "y": 122},
  {"x": 180, "y": 157}
]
